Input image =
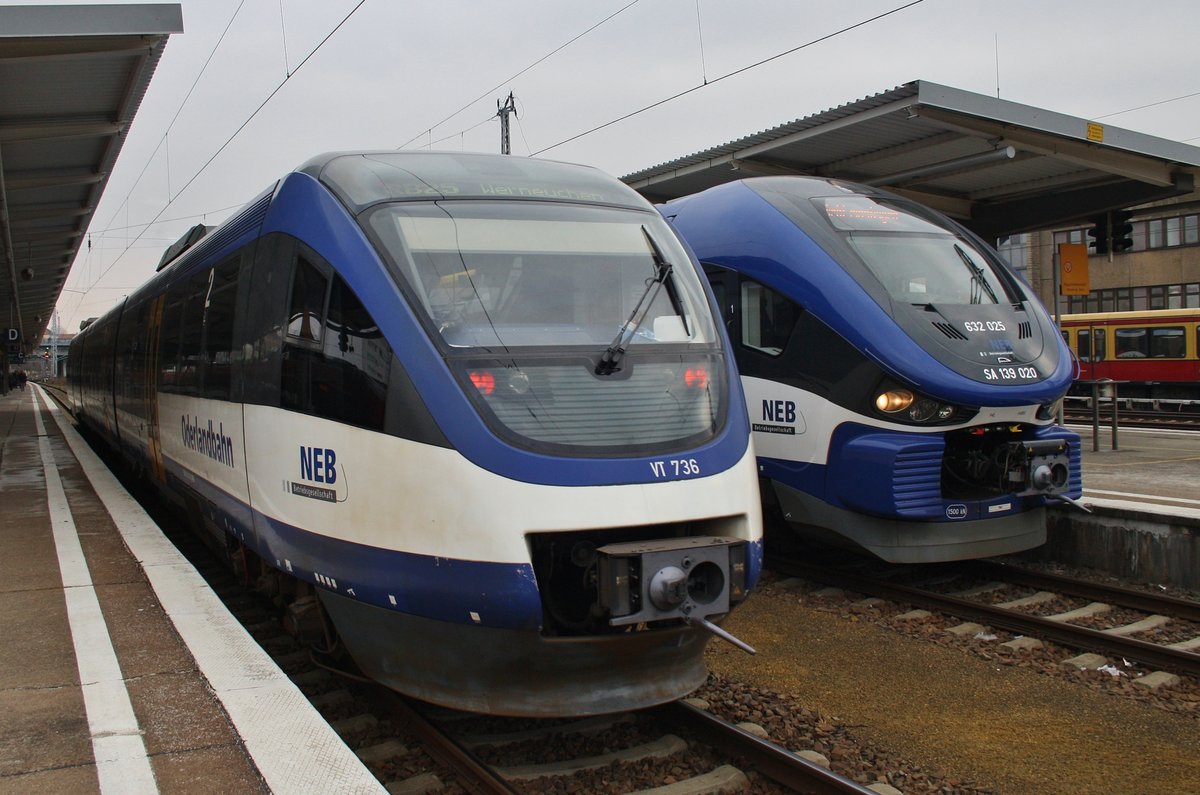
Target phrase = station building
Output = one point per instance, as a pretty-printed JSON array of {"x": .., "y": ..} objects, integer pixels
[{"x": 1161, "y": 270}]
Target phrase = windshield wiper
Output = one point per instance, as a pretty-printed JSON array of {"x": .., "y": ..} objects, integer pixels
[
  {"x": 610, "y": 361},
  {"x": 977, "y": 276}
]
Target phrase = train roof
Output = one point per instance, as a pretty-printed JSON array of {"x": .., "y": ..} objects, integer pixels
[
  {"x": 1134, "y": 316},
  {"x": 362, "y": 179}
]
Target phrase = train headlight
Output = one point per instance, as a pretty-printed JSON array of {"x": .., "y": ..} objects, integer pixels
[
  {"x": 923, "y": 410},
  {"x": 893, "y": 400},
  {"x": 904, "y": 405},
  {"x": 1048, "y": 411}
]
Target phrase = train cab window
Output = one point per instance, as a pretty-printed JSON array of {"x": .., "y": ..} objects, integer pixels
[
  {"x": 1167, "y": 343},
  {"x": 301, "y": 348},
  {"x": 767, "y": 318},
  {"x": 357, "y": 360},
  {"x": 336, "y": 361},
  {"x": 308, "y": 302}
]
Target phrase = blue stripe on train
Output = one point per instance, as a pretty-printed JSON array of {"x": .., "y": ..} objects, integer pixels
[{"x": 503, "y": 595}]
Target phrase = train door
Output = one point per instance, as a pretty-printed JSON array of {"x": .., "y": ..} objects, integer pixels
[
  {"x": 771, "y": 343},
  {"x": 1092, "y": 346}
]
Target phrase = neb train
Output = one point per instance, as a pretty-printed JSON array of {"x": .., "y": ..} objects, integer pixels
[
  {"x": 472, "y": 411},
  {"x": 902, "y": 381}
]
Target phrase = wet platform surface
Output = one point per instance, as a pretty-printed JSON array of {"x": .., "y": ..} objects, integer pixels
[{"x": 120, "y": 670}]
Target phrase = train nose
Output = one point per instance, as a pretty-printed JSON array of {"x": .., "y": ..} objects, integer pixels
[{"x": 692, "y": 579}]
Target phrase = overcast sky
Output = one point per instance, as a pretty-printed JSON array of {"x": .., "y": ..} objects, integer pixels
[{"x": 414, "y": 73}]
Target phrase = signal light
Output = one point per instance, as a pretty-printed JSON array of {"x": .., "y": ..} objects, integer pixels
[
  {"x": 1099, "y": 233},
  {"x": 1121, "y": 230},
  {"x": 485, "y": 382},
  {"x": 696, "y": 377},
  {"x": 1111, "y": 231}
]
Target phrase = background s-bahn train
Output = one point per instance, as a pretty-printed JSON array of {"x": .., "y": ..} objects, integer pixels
[
  {"x": 480, "y": 406},
  {"x": 1153, "y": 353},
  {"x": 901, "y": 380}
]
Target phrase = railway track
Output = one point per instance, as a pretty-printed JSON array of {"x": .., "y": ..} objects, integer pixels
[
  {"x": 413, "y": 747},
  {"x": 1074, "y": 613},
  {"x": 1137, "y": 419},
  {"x": 654, "y": 748}
]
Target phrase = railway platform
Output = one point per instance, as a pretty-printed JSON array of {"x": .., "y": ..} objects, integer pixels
[
  {"x": 121, "y": 671},
  {"x": 1151, "y": 469},
  {"x": 1145, "y": 519}
]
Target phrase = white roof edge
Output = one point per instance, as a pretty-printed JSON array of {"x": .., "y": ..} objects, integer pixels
[{"x": 90, "y": 20}]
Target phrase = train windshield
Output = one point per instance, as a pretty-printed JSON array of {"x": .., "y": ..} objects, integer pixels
[
  {"x": 529, "y": 301},
  {"x": 508, "y": 274},
  {"x": 917, "y": 259}
]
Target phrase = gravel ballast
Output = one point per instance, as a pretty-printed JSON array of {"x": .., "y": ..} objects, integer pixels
[{"x": 1010, "y": 728}]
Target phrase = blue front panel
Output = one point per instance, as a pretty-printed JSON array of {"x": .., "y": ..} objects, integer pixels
[{"x": 898, "y": 475}]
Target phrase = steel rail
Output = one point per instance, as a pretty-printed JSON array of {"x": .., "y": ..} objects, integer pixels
[
  {"x": 773, "y": 761},
  {"x": 1069, "y": 635},
  {"x": 1171, "y": 606},
  {"x": 474, "y": 775}
]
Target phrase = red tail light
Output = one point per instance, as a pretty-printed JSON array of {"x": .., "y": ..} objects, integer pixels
[
  {"x": 484, "y": 382},
  {"x": 696, "y": 376}
]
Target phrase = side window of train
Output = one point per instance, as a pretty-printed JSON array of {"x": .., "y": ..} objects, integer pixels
[
  {"x": 259, "y": 328},
  {"x": 1167, "y": 343},
  {"x": 767, "y": 318},
  {"x": 1083, "y": 344},
  {"x": 131, "y": 359},
  {"x": 219, "y": 314},
  {"x": 168, "y": 341},
  {"x": 1132, "y": 343},
  {"x": 191, "y": 335}
]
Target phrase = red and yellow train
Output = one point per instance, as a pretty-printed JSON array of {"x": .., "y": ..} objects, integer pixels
[{"x": 1153, "y": 353}]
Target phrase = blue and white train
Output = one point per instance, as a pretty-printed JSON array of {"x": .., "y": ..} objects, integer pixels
[
  {"x": 473, "y": 411},
  {"x": 902, "y": 381}
]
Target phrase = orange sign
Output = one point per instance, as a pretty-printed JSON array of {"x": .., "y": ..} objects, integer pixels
[{"x": 1073, "y": 263}]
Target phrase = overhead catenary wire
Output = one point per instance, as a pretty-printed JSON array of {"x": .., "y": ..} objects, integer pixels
[
  {"x": 429, "y": 130},
  {"x": 232, "y": 136},
  {"x": 664, "y": 101},
  {"x": 179, "y": 110},
  {"x": 734, "y": 73}
]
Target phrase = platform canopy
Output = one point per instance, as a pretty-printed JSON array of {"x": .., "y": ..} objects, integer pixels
[
  {"x": 71, "y": 80},
  {"x": 999, "y": 167}
]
